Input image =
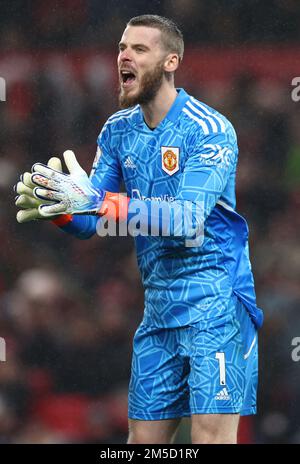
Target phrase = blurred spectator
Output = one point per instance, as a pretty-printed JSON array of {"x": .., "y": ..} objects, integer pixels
[{"x": 69, "y": 308}]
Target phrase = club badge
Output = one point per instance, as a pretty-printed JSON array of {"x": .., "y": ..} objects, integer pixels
[{"x": 170, "y": 159}]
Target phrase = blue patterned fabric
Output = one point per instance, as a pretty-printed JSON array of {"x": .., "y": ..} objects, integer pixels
[
  {"x": 183, "y": 284},
  {"x": 199, "y": 297},
  {"x": 176, "y": 372}
]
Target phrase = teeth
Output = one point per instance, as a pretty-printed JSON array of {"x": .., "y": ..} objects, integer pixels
[{"x": 126, "y": 75}]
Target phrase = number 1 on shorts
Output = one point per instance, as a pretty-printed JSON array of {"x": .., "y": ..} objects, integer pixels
[{"x": 221, "y": 358}]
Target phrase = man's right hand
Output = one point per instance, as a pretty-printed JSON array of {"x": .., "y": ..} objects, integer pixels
[{"x": 25, "y": 199}]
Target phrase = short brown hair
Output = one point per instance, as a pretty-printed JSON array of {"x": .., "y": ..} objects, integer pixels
[{"x": 172, "y": 37}]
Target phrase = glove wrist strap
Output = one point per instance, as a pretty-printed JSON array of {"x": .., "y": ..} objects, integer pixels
[
  {"x": 114, "y": 206},
  {"x": 62, "y": 220}
]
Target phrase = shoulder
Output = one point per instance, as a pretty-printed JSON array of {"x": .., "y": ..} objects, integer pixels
[
  {"x": 206, "y": 119},
  {"x": 122, "y": 118},
  {"x": 117, "y": 124}
]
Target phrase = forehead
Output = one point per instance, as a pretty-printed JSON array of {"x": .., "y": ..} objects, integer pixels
[{"x": 149, "y": 36}]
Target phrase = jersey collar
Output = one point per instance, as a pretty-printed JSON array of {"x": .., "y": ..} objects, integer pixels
[
  {"x": 173, "y": 112},
  {"x": 177, "y": 106}
]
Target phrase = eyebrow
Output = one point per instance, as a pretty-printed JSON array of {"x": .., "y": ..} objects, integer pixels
[{"x": 134, "y": 45}]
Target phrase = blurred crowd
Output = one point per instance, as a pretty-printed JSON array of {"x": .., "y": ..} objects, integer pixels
[
  {"x": 69, "y": 308},
  {"x": 77, "y": 23}
]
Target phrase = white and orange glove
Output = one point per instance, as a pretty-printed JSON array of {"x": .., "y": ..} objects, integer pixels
[
  {"x": 25, "y": 199},
  {"x": 60, "y": 193}
]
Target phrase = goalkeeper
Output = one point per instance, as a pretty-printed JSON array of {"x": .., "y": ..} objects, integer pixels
[{"x": 195, "y": 351}]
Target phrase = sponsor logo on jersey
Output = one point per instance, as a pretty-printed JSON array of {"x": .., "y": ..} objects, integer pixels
[
  {"x": 129, "y": 163},
  {"x": 223, "y": 395},
  {"x": 136, "y": 194},
  {"x": 215, "y": 154},
  {"x": 170, "y": 159}
]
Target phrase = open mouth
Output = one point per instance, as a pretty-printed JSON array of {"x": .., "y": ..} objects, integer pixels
[{"x": 127, "y": 78}]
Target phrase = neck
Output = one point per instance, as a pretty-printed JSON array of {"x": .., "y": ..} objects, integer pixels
[{"x": 156, "y": 110}]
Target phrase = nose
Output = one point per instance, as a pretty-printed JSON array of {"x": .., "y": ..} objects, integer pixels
[{"x": 125, "y": 55}]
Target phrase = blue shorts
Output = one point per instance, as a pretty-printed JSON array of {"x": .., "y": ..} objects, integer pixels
[{"x": 207, "y": 368}]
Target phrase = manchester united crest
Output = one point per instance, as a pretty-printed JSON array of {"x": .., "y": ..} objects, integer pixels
[{"x": 170, "y": 159}]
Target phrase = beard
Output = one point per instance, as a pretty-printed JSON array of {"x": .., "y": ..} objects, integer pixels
[{"x": 150, "y": 84}]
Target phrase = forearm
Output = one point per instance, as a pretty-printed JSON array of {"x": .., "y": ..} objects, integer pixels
[
  {"x": 81, "y": 226},
  {"x": 180, "y": 218}
]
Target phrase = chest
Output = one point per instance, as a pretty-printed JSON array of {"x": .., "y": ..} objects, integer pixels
[{"x": 152, "y": 163}]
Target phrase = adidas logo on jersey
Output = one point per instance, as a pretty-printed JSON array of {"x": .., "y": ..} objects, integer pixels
[
  {"x": 222, "y": 395},
  {"x": 129, "y": 163}
]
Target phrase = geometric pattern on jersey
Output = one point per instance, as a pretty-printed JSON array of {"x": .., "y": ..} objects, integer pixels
[
  {"x": 175, "y": 372},
  {"x": 183, "y": 285}
]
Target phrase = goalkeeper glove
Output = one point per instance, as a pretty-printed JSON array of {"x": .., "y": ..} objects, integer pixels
[
  {"x": 72, "y": 193},
  {"x": 25, "y": 199}
]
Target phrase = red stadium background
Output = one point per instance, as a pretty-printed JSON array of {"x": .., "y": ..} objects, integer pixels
[{"x": 69, "y": 309}]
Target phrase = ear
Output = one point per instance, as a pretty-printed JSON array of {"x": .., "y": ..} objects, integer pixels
[{"x": 171, "y": 62}]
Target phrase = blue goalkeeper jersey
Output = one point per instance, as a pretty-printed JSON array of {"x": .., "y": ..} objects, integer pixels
[{"x": 190, "y": 157}]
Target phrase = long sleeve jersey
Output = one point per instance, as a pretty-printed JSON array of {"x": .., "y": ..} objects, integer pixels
[{"x": 185, "y": 167}]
